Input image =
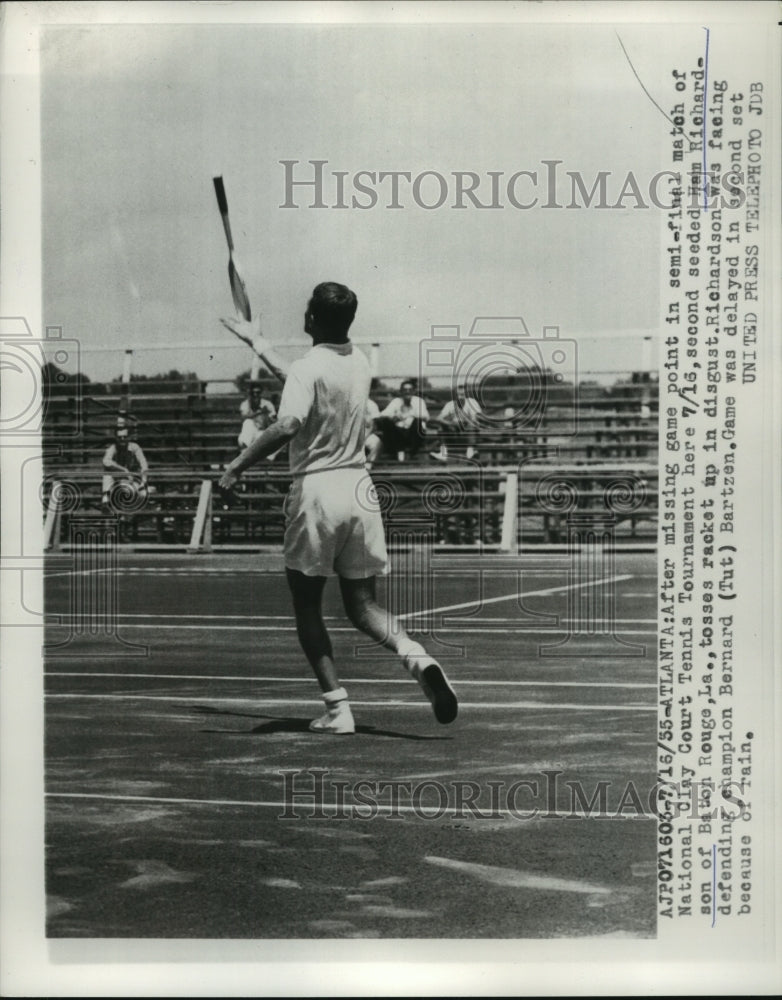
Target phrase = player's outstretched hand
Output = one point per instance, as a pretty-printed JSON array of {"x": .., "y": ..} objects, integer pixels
[
  {"x": 228, "y": 480},
  {"x": 249, "y": 332}
]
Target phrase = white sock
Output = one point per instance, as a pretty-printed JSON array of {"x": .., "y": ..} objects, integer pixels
[
  {"x": 338, "y": 718},
  {"x": 333, "y": 698}
]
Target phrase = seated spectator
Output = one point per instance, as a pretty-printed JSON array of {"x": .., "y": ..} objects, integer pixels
[
  {"x": 256, "y": 403},
  {"x": 123, "y": 460},
  {"x": 251, "y": 428},
  {"x": 459, "y": 424},
  {"x": 258, "y": 414},
  {"x": 402, "y": 425}
]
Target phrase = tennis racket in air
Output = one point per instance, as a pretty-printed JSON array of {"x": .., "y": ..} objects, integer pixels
[{"x": 238, "y": 287}]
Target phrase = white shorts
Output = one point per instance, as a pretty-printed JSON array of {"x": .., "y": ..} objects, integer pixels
[{"x": 333, "y": 525}]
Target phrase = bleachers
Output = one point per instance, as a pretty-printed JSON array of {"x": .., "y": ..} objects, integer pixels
[
  {"x": 188, "y": 436},
  {"x": 199, "y": 431}
]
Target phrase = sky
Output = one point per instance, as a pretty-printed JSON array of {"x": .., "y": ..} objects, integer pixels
[{"x": 136, "y": 120}]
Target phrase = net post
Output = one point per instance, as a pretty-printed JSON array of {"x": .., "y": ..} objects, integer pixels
[
  {"x": 51, "y": 527},
  {"x": 510, "y": 514},
  {"x": 207, "y": 544},
  {"x": 202, "y": 523},
  {"x": 127, "y": 365}
]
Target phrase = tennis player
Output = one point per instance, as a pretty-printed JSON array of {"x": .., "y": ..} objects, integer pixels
[{"x": 333, "y": 524}]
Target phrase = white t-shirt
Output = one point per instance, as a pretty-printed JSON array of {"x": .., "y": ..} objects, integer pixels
[
  {"x": 249, "y": 432},
  {"x": 404, "y": 414},
  {"x": 469, "y": 408},
  {"x": 327, "y": 390},
  {"x": 265, "y": 406}
]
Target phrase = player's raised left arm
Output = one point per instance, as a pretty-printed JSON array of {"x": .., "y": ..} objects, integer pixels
[{"x": 250, "y": 333}]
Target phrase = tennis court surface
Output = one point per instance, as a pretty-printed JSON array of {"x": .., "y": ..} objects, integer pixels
[{"x": 186, "y": 797}]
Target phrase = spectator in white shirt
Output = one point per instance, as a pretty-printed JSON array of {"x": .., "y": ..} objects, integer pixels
[
  {"x": 459, "y": 423},
  {"x": 259, "y": 413},
  {"x": 402, "y": 425},
  {"x": 256, "y": 403}
]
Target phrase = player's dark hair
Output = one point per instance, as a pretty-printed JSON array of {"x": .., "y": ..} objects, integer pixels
[{"x": 333, "y": 308}]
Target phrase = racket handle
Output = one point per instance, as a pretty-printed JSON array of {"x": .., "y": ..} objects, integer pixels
[{"x": 222, "y": 201}]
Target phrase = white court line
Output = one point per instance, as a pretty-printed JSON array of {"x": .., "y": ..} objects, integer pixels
[
  {"x": 447, "y": 563},
  {"x": 219, "y": 700},
  {"x": 346, "y": 680},
  {"x": 482, "y": 602},
  {"x": 531, "y": 568},
  {"x": 194, "y": 575},
  {"x": 608, "y": 621},
  {"x": 300, "y": 810},
  {"x": 123, "y": 618},
  {"x": 451, "y": 629},
  {"x": 79, "y": 572}
]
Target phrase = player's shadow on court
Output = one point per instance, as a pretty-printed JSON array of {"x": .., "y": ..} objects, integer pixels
[{"x": 287, "y": 724}]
